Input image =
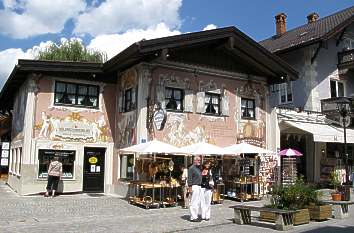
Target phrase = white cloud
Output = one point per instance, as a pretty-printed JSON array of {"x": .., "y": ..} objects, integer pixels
[
  {"x": 117, "y": 16},
  {"x": 24, "y": 18},
  {"x": 210, "y": 27},
  {"x": 9, "y": 57},
  {"x": 112, "y": 44}
]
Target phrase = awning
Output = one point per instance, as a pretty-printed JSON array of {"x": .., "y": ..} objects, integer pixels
[{"x": 322, "y": 132}]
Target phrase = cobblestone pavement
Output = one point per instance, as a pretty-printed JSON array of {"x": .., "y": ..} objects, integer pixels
[{"x": 84, "y": 213}]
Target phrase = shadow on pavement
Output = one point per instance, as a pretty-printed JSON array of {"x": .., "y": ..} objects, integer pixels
[
  {"x": 185, "y": 217},
  {"x": 331, "y": 229},
  {"x": 257, "y": 223}
]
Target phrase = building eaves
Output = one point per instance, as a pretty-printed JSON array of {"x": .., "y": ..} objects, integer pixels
[{"x": 149, "y": 48}]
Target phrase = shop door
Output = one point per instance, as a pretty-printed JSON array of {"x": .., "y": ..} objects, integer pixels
[{"x": 93, "y": 175}]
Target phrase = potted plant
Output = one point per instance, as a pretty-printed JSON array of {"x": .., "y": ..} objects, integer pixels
[
  {"x": 293, "y": 197},
  {"x": 335, "y": 182}
]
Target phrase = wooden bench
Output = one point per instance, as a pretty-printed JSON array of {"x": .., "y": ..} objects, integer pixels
[
  {"x": 284, "y": 218},
  {"x": 340, "y": 208}
]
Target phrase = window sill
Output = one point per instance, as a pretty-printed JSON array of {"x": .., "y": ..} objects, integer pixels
[
  {"x": 129, "y": 110},
  {"x": 213, "y": 115},
  {"x": 248, "y": 118},
  {"x": 286, "y": 103},
  {"x": 174, "y": 111},
  {"x": 75, "y": 106}
]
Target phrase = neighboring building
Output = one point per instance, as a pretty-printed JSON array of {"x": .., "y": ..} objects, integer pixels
[
  {"x": 212, "y": 84},
  {"x": 322, "y": 51},
  {"x": 64, "y": 109}
]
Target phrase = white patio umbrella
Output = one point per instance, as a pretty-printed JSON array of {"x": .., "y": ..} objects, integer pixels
[
  {"x": 245, "y": 148},
  {"x": 152, "y": 147},
  {"x": 203, "y": 148}
]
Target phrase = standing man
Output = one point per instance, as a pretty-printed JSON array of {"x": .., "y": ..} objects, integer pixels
[{"x": 194, "y": 188}]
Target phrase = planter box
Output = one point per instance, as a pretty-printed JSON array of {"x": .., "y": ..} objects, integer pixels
[
  {"x": 320, "y": 213},
  {"x": 301, "y": 217},
  {"x": 267, "y": 216}
]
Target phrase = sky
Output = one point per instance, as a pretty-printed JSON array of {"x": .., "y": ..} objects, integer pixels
[{"x": 28, "y": 26}]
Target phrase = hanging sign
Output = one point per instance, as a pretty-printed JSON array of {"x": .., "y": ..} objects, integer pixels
[{"x": 159, "y": 119}]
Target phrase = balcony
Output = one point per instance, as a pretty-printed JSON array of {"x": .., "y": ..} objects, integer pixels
[
  {"x": 329, "y": 106},
  {"x": 346, "y": 59}
]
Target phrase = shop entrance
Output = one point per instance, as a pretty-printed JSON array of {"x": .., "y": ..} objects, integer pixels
[{"x": 93, "y": 174}]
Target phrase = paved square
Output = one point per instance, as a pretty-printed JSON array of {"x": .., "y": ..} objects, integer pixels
[{"x": 84, "y": 213}]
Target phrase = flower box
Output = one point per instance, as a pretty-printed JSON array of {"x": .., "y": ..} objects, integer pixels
[
  {"x": 301, "y": 217},
  {"x": 320, "y": 212}
]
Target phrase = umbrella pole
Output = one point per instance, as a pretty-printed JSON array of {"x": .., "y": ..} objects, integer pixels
[{"x": 153, "y": 182}]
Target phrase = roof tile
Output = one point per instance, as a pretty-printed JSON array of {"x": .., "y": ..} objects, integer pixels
[{"x": 308, "y": 32}]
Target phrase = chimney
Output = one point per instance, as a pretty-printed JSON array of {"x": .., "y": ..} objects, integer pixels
[
  {"x": 280, "y": 24},
  {"x": 312, "y": 17}
]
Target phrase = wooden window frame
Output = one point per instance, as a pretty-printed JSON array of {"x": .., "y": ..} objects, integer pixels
[
  {"x": 247, "y": 108},
  {"x": 175, "y": 99},
  {"x": 211, "y": 95},
  {"x": 76, "y": 94}
]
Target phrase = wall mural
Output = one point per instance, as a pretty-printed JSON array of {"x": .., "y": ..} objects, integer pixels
[
  {"x": 178, "y": 135},
  {"x": 251, "y": 131},
  {"x": 126, "y": 126},
  {"x": 73, "y": 127},
  {"x": 127, "y": 129}
]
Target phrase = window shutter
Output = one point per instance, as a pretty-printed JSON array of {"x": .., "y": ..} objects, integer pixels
[
  {"x": 134, "y": 97},
  {"x": 257, "y": 103},
  {"x": 188, "y": 101},
  {"x": 200, "y": 102},
  {"x": 160, "y": 95},
  {"x": 121, "y": 102},
  {"x": 225, "y": 104}
]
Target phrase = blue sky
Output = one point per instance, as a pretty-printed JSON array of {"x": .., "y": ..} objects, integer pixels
[{"x": 112, "y": 25}]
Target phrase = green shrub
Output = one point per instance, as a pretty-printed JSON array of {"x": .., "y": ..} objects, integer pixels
[{"x": 296, "y": 196}]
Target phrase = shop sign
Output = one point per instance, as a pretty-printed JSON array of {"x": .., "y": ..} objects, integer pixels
[
  {"x": 93, "y": 160},
  {"x": 159, "y": 119},
  {"x": 5, "y": 146},
  {"x": 4, "y": 156},
  {"x": 4, "y": 162},
  {"x": 74, "y": 130}
]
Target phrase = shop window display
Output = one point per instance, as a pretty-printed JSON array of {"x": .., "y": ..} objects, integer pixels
[
  {"x": 127, "y": 167},
  {"x": 242, "y": 178},
  {"x": 67, "y": 157},
  {"x": 156, "y": 182}
]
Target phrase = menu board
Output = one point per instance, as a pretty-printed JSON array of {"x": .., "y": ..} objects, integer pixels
[{"x": 5, "y": 152}]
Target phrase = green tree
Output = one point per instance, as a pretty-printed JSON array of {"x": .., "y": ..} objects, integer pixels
[{"x": 71, "y": 50}]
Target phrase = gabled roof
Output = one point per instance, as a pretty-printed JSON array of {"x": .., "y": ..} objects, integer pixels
[
  {"x": 322, "y": 29},
  {"x": 229, "y": 37}
]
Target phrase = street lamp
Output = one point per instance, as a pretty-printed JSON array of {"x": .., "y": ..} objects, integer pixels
[{"x": 343, "y": 107}]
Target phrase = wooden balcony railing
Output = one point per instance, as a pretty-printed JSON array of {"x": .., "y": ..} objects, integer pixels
[
  {"x": 346, "y": 57},
  {"x": 329, "y": 106}
]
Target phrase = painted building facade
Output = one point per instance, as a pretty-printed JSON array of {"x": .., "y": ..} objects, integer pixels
[
  {"x": 202, "y": 101},
  {"x": 212, "y": 85},
  {"x": 63, "y": 116}
]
